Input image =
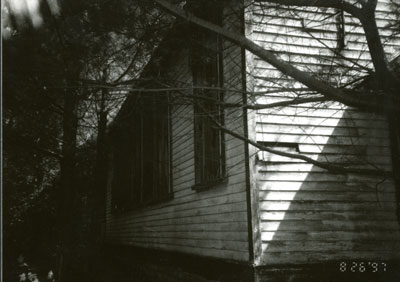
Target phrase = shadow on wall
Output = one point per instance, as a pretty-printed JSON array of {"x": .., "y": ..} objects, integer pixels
[{"x": 308, "y": 215}]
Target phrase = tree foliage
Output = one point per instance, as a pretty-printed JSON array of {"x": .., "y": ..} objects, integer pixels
[{"x": 57, "y": 60}]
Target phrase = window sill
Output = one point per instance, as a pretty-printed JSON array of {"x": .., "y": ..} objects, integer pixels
[{"x": 209, "y": 185}]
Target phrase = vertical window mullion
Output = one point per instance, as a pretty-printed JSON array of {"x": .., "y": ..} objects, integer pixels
[
  {"x": 141, "y": 154},
  {"x": 156, "y": 146}
]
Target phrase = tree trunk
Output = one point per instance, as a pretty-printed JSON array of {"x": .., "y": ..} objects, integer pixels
[
  {"x": 100, "y": 175},
  {"x": 67, "y": 191},
  {"x": 384, "y": 79}
]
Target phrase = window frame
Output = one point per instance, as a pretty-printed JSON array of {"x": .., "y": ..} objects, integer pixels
[
  {"x": 129, "y": 196},
  {"x": 201, "y": 51}
]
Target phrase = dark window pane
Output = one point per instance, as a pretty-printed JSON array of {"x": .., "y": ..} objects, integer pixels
[
  {"x": 209, "y": 147},
  {"x": 142, "y": 154}
]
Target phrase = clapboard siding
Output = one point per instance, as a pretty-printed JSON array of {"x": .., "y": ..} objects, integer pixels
[
  {"x": 322, "y": 130},
  {"x": 325, "y": 215},
  {"x": 328, "y": 112},
  {"x": 281, "y": 29},
  {"x": 275, "y": 119},
  {"x": 291, "y": 167},
  {"x": 195, "y": 250},
  {"x": 307, "y": 185},
  {"x": 326, "y": 206},
  {"x": 317, "y": 139},
  {"x": 307, "y": 214},
  {"x": 329, "y": 236},
  {"x": 325, "y": 255},
  {"x": 210, "y": 223}
]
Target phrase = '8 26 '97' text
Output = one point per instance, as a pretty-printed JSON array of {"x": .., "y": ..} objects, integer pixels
[{"x": 362, "y": 266}]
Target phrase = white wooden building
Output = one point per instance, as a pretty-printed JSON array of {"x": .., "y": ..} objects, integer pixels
[{"x": 218, "y": 208}]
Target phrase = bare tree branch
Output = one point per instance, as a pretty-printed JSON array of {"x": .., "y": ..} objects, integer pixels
[
  {"x": 385, "y": 77},
  {"x": 370, "y": 102},
  {"x": 296, "y": 101},
  {"x": 337, "y": 4},
  {"x": 131, "y": 64},
  {"x": 328, "y": 166},
  {"x": 366, "y": 15}
]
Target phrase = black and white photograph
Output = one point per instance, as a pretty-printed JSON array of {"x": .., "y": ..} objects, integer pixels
[{"x": 200, "y": 141}]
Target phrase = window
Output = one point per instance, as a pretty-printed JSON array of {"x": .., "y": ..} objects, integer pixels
[
  {"x": 141, "y": 154},
  {"x": 209, "y": 147}
]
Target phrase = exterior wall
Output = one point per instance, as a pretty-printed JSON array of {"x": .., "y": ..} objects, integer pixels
[
  {"x": 307, "y": 214},
  {"x": 211, "y": 223}
]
